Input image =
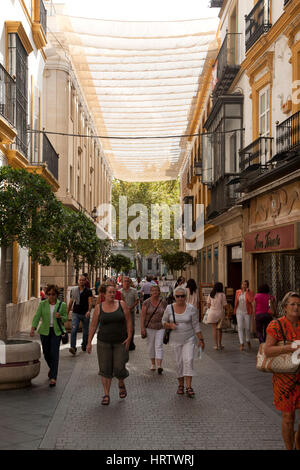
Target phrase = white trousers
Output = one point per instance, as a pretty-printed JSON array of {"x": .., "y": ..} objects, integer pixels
[
  {"x": 184, "y": 355},
  {"x": 243, "y": 322},
  {"x": 155, "y": 343}
]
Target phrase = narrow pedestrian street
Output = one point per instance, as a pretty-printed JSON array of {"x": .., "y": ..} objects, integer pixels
[{"x": 232, "y": 408}]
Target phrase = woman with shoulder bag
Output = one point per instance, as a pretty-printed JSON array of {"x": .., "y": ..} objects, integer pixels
[
  {"x": 53, "y": 314},
  {"x": 286, "y": 387},
  {"x": 151, "y": 326},
  {"x": 113, "y": 340},
  {"x": 182, "y": 319}
]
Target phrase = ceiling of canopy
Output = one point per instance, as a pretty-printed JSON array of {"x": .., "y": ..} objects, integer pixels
[{"x": 140, "y": 81}]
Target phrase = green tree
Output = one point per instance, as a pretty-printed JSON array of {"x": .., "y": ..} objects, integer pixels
[
  {"x": 166, "y": 192},
  {"x": 77, "y": 240},
  {"x": 177, "y": 261},
  {"x": 31, "y": 215},
  {"x": 119, "y": 263}
]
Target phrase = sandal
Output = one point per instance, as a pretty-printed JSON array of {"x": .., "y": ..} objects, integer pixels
[
  {"x": 123, "y": 392},
  {"x": 52, "y": 383},
  {"x": 180, "y": 390},
  {"x": 105, "y": 400},
  {"x": 190, "y": 392}
]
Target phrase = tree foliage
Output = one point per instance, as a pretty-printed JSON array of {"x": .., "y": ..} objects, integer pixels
[
  {"x": 29, "y": 212},
  {"x": 77, "y": 239},
  {"x": 119, "y": 263},
  {"x": 177, "y": 261},
  {"x": 166, "y": 192}
]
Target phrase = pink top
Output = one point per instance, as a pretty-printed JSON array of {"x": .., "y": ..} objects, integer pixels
[
  {"x": 262, "y": 303},
  {"x": 216, "y": 310}
]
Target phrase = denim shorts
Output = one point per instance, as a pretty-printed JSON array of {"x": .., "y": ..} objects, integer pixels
[{"x": 112, "y": 358}]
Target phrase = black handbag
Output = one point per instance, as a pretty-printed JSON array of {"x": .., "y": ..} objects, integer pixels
[
  {"x": 64, "y": 334},
  {"x": 168, "y": 331}
]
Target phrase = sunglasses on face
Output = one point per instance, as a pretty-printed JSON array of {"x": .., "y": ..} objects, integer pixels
[{"x": 180, "y": 296}]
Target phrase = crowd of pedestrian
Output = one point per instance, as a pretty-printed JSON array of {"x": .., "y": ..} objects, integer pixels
[{"x": 177, "y": 313}]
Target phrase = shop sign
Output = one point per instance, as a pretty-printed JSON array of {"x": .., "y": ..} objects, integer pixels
[{"x": 276, "y": 239}]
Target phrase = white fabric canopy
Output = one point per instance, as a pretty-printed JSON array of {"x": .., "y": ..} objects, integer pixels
[{"x": 140, "y": 79}]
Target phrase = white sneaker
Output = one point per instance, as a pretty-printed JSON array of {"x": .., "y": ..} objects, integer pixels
[{"x": 152, "y": 367}]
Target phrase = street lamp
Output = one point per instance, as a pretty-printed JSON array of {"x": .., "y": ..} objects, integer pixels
[{"x": 94, "y": 214}]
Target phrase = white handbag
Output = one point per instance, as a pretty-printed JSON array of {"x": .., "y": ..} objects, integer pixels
[
  {"x": 282, "y": 364},
  {"x": 205, "y": 317}
]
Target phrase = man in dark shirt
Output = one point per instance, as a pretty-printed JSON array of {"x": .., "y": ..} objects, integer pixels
[{"x": 81, "y": 299}]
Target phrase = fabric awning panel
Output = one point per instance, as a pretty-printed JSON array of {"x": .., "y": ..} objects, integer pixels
[{"x": 140, "y": 79}]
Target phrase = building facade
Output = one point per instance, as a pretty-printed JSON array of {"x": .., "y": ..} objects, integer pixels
[
  {"x": 22, "y": 58},
  {"x": 250, "y": 153},
  {"x": 85, "y": 177}
]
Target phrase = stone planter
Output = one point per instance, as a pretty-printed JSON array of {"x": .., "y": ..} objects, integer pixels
[{"x": 19, "y": 363}]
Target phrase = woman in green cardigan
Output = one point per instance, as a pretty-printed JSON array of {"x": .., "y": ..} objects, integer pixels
[{"x": 49, "y": 330}]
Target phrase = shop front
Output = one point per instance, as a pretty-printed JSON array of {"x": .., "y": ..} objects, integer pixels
[{"x": 276, "y": 258}]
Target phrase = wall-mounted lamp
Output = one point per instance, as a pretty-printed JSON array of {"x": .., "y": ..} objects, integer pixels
[{"x": 94, "y": 214}]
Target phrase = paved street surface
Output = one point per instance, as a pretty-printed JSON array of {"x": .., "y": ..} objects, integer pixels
[{"x": 232, "y": 408}]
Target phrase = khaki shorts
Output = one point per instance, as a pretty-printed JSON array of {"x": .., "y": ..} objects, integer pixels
[{"x": 112, "y": 358}]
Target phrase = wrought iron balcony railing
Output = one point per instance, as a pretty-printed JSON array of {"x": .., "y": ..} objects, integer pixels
[
  {"x": 43, "y": 16},
  {"x": 257, "y": 154},
  {"x": 223, "y": 196},
  {"x": 7, "y": 96},
  {"x": 228, "y": 63},
  {"x": 50, "y": 156},
  {"x": 288, "y": 134},
  {"x": 257, "y": 22}
]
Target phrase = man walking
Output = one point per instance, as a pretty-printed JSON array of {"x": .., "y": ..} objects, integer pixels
[
  {"x": 145, "y": 290},
  {"x": 81, "y": 299},
  {"x": 130, "y": 296}
]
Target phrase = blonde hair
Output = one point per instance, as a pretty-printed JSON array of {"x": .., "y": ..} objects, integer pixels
[{"x": 287, "y": 296}]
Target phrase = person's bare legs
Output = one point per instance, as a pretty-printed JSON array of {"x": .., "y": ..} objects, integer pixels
[
  {"x": 215, "y": 334},
  {"x": 106, "y": 384},
  {"x": 287, "y": 430},
  {"x": 219, "y": 338},
  {"x": 180, "y": 390}
]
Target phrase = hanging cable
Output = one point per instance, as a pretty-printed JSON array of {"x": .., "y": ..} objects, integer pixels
[{"x": 35, "y": 131}]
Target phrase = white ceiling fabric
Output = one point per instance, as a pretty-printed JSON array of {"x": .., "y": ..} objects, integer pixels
[{"x": 140, "y": 79}]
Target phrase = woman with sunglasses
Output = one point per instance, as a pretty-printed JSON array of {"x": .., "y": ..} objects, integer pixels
[
  {"x": 286, "y": 387},
  {"x": 182, "y": 338},
  {"x": 50, "y": 311}
]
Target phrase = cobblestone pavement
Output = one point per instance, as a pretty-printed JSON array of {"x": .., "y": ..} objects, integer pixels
[{"x": 232, "y": 408}]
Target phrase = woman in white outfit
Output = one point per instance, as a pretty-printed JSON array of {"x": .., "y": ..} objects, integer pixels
[
  {"x": 216, "y": 303},
  {"x": 151, "y": 327},
  {"x": 182, "y": 338},
  {"x": 243, "y": 309}
]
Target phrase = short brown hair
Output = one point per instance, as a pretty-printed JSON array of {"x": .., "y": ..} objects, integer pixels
[{"x": 52, "y": 287}]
